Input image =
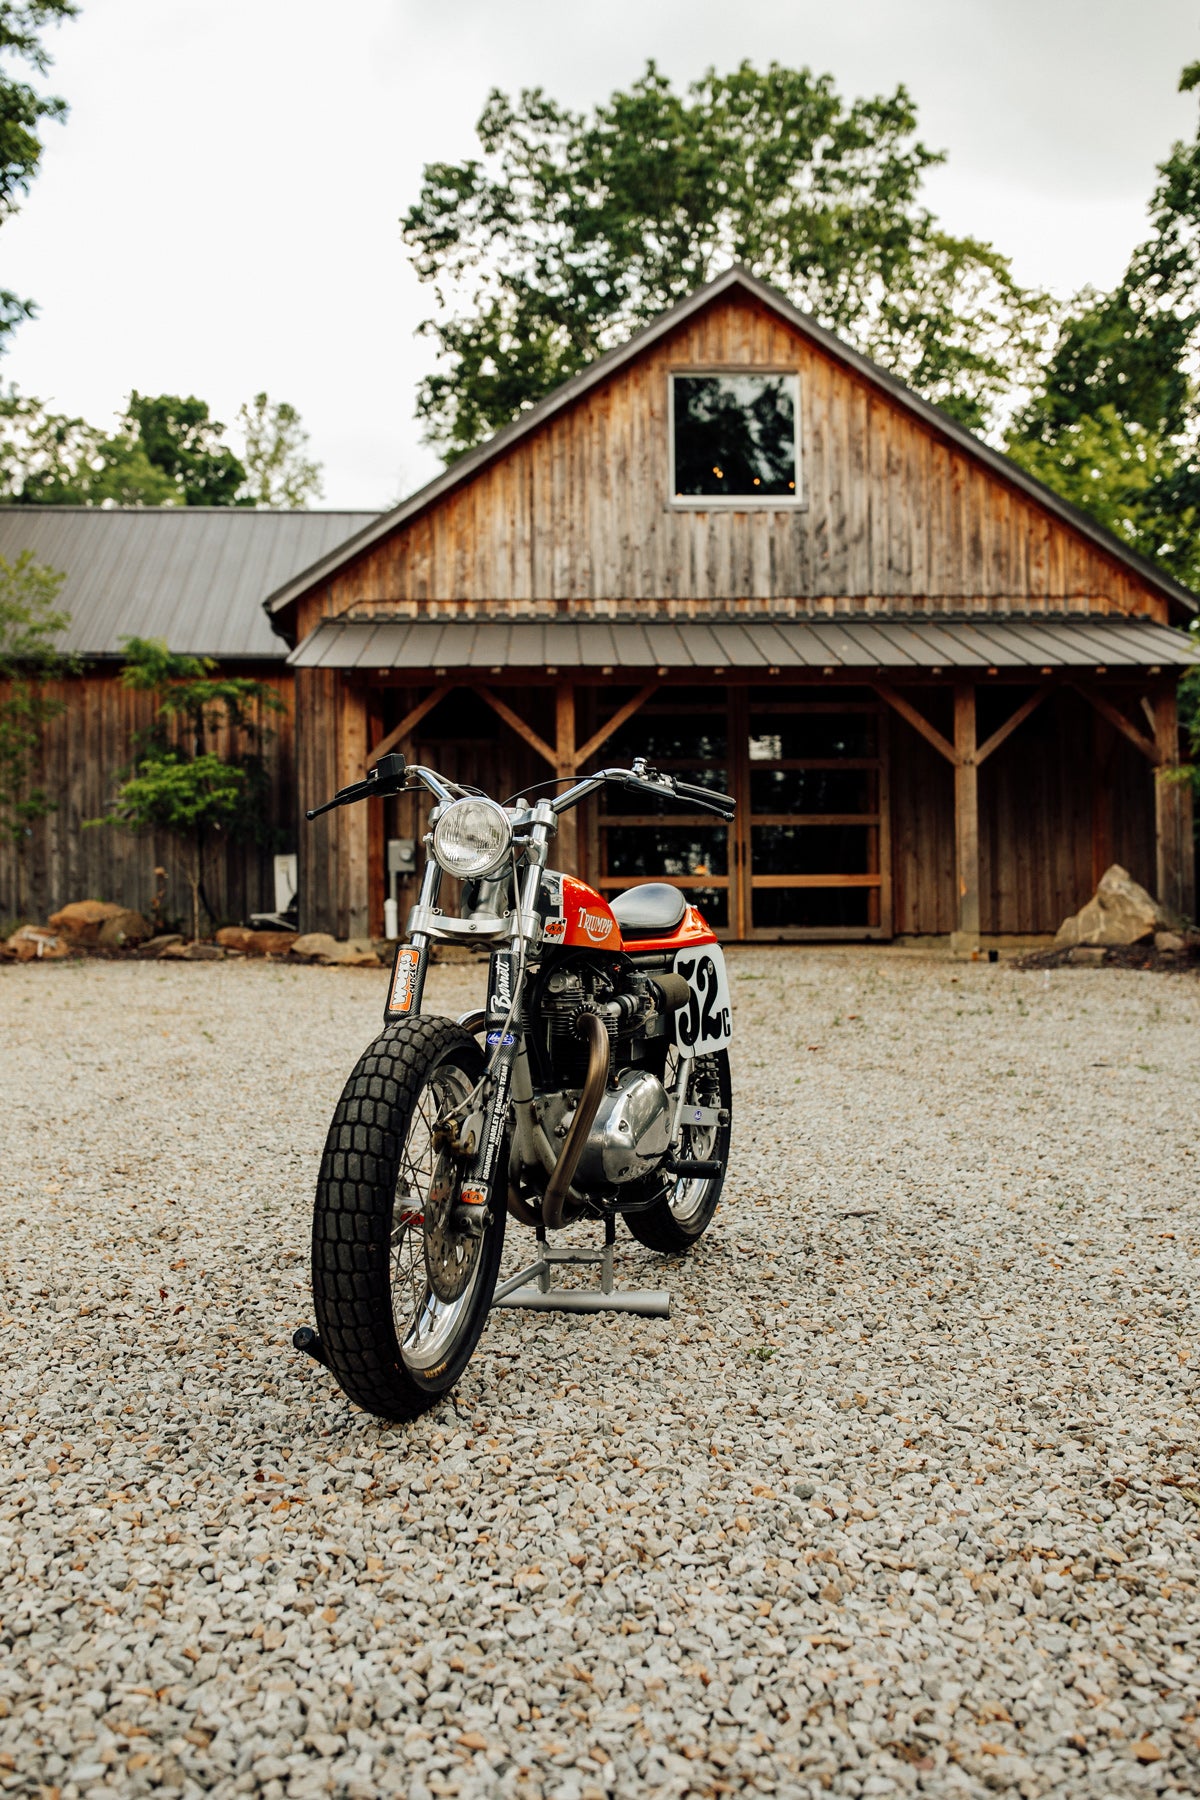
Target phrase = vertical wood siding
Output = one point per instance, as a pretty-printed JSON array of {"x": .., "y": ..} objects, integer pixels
[
  {"x": 580, "y": 512},
  {"x": 83, "y": 752}
]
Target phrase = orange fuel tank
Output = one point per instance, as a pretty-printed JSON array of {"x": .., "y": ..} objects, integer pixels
[{"x": 586, "y": 918}]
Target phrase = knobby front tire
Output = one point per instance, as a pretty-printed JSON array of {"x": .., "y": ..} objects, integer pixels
[{"x": 392, "y": 1344}]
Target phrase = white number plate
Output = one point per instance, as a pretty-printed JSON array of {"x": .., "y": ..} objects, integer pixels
[{"x": 706, "y": 1023}]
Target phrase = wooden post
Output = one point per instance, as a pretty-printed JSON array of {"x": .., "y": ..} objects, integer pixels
[
  {"x": 566, "y": 853},
  {"x": 1176, "y": 867},
  {"x": 352, "y": 824},
  {"x": 966, "y": 821}
]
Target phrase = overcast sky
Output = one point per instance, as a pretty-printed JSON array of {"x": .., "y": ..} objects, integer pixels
[{"x": 219, "y": 213}]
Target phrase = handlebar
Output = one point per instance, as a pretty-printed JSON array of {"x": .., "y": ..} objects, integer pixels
[{"x": 391, "y": 775}]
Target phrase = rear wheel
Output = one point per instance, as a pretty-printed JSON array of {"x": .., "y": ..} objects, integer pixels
[
  {"x": 400, "y": 1297},
  {"x": 685, "y": 1210}
]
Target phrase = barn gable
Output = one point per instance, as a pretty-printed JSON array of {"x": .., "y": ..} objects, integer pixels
[{"x": 570, "y": 509}]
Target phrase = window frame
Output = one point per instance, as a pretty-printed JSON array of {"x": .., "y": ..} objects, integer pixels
[{"x": 735, "y": 502}]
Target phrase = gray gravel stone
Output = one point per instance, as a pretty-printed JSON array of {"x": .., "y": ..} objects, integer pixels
[{"x": 904, "y": 1497}]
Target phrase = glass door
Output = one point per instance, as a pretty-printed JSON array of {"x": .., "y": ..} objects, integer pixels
[
  {"x": 635, "y": 839},
  {"x": 813, "y": 817}
]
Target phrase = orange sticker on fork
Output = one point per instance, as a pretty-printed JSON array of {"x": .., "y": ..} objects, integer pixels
[{"x": 404, "y": 980}]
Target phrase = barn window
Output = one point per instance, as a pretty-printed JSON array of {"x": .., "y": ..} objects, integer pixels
[{"x": 735, "y": 437}]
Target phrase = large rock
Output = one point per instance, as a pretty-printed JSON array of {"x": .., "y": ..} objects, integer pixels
[
  {"x": 38, "y": 942},
  {"x": 321, "y": 947},
  {"x": 124, "y": 928},
  {"x": 256, "y": 943},
  {"x": 1119, "y": 912},
  {"x": 83, "y": 919}
]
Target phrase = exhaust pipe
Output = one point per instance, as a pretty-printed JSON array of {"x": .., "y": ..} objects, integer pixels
[{"x": 588, "y": 1025}]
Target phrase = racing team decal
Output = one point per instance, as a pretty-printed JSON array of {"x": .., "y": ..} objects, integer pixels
[{"x": 705, "y": 1024}]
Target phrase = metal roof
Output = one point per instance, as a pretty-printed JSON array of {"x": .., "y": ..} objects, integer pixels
[
  {"x": 735, "y": 277},
  {"x": 194, "y": 575},
  {"x": 717, "y": 643}
]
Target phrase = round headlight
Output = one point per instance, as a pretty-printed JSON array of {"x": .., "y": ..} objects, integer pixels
[{"x": 471, "y": 837}]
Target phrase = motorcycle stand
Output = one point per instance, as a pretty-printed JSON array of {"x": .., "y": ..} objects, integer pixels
[{"x": 531, "y": 1287}]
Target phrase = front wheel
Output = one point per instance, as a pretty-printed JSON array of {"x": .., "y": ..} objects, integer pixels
[
  {"x": 400, "y": 1298},
  {"x": 685, "y": 1210}
]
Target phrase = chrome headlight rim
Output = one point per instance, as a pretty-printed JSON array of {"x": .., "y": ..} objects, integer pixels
[{"x": 451, "y": 818}]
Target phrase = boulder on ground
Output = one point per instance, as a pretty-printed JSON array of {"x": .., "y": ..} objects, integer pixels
[
  {"x": 256, "y": 943},
  {"x": 82, "y": 920},
  {"x": 156, "y": 945},
  {"x": 321, "y": 947},
  {"x": 181, "y": 952},
  {"x": 1169, "y": 941},
  {"x": 122, "y": 928},
  {"x": 38, "y": 942},
  {"x": 1119, "y": 912}
]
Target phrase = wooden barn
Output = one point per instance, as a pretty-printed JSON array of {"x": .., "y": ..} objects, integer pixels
[
  {"x": 943, "y": 697},
  {"x": 194, "y": 576}
]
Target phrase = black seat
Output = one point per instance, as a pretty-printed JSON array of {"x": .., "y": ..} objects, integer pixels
[{"x": 648, "y": 911}]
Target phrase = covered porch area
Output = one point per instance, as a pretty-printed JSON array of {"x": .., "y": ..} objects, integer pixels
[{"x": 915, "y": 776}]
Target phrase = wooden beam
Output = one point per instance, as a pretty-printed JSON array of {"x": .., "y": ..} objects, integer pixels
[
  {"x": 1175, "y": 851},
  {"x": 1115, "y": 716},
  {"x": 614, "y": 724},
  {"x": 517, "y": 724},
  {"x": 410, "y": 721},
  {"x": 917, "y": 720},
  {"x": 566, "y": 761},
  {"x": 966, "y": 819},
  {"x": 1010, "y": 725}
]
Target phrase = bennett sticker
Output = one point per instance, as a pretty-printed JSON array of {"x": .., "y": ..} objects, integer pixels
[
  {"x": 404, "y": 981},
  {"x": 705, "y": 1024},
  {"x": 500, "y": 1002}
]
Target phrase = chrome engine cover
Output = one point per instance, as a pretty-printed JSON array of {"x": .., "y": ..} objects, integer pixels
[{"x": 631, "y": 1134}]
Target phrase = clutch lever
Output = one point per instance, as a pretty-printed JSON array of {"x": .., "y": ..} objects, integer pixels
[{"x": 387, "y": 777}]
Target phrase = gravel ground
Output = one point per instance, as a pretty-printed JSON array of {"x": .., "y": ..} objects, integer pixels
[{"x": 903, "y": 1497}]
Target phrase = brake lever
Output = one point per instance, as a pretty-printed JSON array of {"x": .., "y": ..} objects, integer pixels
[{"x": 387, "y": 777}]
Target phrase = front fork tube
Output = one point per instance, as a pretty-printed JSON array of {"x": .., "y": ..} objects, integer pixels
[{"x": 411, "y": 962}]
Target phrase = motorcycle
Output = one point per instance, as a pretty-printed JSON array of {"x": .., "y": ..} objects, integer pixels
[{"x": 593, "y": 1083}]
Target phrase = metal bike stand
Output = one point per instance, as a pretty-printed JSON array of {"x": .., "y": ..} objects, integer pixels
[{"x": 531, "y": 1287}]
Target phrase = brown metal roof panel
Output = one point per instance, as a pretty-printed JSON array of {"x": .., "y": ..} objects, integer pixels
[
  {"x": 668, "y": 645},
  {"x": 634, "y": 650},
  {"x": 1050, "y": 644},
  {"x": 840, "y": 646},
  {"x": 782, "y": 643},
  {"x": 488, "y": 643},
  {"x": 597, "y": 644},
  {"x": 389, "y": 645}
]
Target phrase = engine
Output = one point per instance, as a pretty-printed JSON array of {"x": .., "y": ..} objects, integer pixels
[{"x": 632, "y": 1129}]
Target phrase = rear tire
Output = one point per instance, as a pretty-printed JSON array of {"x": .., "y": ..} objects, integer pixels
[
  {"x": 685, "y": 1211},
  {"x": 394, "y": 1347}
]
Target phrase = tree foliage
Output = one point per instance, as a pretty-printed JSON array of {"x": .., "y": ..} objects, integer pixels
[
  {"x": 166, "y": 451},
  {"x": 1114, "y": 423},
  {"x": 22, "y": 112},
  {"x": 569, "y": 231},
  {"x": 30, "y": 622},
  {"x": 186, "y": 788},
  {"x": 278, "y": 469}
]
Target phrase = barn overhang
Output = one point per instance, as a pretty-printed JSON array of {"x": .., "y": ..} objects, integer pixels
[{"x": 706, "y": 646}]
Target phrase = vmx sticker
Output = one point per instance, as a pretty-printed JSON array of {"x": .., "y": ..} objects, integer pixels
[
  {"x": 500, "y": 985},
  {"x": 705, "y": 1024},
  {"x": 404, "y": 996}
]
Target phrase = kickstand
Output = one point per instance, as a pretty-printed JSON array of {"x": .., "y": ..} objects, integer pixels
[{"x": 532, "y": 1287}]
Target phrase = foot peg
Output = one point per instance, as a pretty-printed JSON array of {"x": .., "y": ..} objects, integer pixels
[
  {"x": 307, "y": 1340},
  {"x": 693, "y": 1169}
]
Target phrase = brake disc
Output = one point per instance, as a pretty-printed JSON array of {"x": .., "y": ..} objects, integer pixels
[{"x": 449, "y": 1255}]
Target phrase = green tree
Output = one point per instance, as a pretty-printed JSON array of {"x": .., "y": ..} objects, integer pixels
[
  {"x": 569, "y": 231},
  {"x": 1114, "y": 423},
  {"x": 278, "y": 470},
  {"x": 22, "y": 112},
  {"x": 185, "y": 787},
  {"x": 183, "y": 441},
  {"x": 29, "y": 625}
]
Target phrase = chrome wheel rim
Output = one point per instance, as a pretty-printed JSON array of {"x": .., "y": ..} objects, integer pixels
[
  {"x": 425, "y": 1326},
  {"x": 698, "y": 1142}
]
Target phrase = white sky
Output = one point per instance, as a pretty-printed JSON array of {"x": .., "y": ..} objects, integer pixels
[{"x": 220, "y": 212}]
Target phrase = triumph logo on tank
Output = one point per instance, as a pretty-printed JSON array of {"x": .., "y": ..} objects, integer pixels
[{"x": 596, "y": 925}]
